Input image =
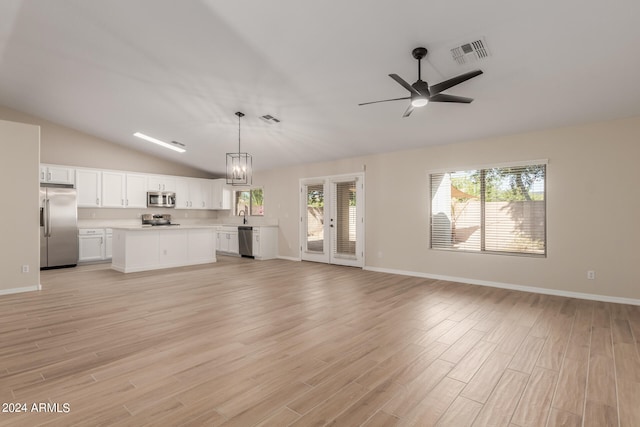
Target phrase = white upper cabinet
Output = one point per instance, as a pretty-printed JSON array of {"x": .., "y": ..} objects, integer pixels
[
  {"x": 57, "y": 174},
  {"x": 136, "y": 191},
  {"x": 114, "y": 189},
  {"x": 119, "y": 189},
  {"x": 123, "y": 190},
  {"x": 89, "y": 188},
  {"x": 205, "y": 199},
  {"x": 220, "y": 195},
  {"x": 161, "y": 183},
  {"x": 183, "y": 195},
  {"x": 193, "y": 193}
]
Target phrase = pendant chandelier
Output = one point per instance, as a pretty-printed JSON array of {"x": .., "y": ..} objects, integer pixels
[{"x": 239, "y": 164}]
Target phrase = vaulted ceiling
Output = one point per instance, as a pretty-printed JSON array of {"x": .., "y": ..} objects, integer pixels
[{"x": 179, "y": 70}]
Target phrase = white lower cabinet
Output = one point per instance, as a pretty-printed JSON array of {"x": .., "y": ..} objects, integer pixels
[
  {"x": 227, "y": 240},
  {"x": 91, "y": 244},
  {"x": 108, "y": 247},
  {"x": 140, "y": 250},
  {"x": 265, "y": 242}
]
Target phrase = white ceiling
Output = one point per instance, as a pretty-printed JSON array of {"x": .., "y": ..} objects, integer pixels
[{"x": 179, "y": 70}]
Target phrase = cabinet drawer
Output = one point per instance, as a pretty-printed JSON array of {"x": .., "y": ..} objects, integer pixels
[{"x": 90, "y": 231}]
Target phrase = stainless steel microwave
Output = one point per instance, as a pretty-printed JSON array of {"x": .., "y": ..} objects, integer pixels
[{"x": 161, "y": 199}]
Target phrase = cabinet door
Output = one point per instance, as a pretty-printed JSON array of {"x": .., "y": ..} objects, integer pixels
[
  {"x": 183, "y": 198},
  {"x": 108, "y": 246},
  {"x": 201, "y": 245},
  {"x": 136, "y": 191},
  {"x": 113, "y": 189},
  {"x": 91, "y": 248},
  {"x": 161, "y": 183},
  {"x": 204, "y": 194},
  {"x": 234, "y": 246},
  {"x": 220, "y": 237},
  {"x": 57, "y": 174},
  {"x": 256, "y": 243},
  {"x": 220, "y": 194},
  {"x": 155, "y": 183},
  {"x": 89, "y": 188},
  {"x": 173, "y": 248}
]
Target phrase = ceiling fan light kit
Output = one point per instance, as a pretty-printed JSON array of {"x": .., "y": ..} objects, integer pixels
[
  {"x": 239, "y": 165},
  {"x": 421, "y": 93}
]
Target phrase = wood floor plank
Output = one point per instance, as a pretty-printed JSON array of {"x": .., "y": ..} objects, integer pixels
[
  {"x": 408, "y": 398},
  {"x": 571, "y": 389},
  {"x": 527, "y": 355},
  {"x": 629, "y": 397},
  {"x": 483, "y": 382},
  {"x": 332, "y": 407},
  {"x": 283, "y": 417},
  {"x": 472, "y": 361},
  {"x": 242, "y": 342},
  {"x": 461, "y": 413},
  {"x": 435, "y": 404},
  {"x": 503, "y": 400},
  {"x": 382, "y": 419},
  {"x": 535, "y": 404},
  {"x": 367, "y": 405},
  {"x": 559, "y": 418}
]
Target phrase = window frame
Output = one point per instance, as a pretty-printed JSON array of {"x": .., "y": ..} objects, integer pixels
[
  {"x": 251, "y": 205},
  {"x": 481, "y": 168}
]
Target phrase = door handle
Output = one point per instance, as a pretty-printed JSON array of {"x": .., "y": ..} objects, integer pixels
[{"x": 47, "y": 228}]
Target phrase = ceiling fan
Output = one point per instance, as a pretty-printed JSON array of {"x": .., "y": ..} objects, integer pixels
[{"x": 423, "y": 93}]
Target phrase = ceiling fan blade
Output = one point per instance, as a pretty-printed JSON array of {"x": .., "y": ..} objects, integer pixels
[
  {"x": 443, "y": 97},
  {"x": 409, "y": 111},
  {"x": 439, "y": 87},
  {"x": 385, "y": 100},
  {"x": 403, "y": 83}
]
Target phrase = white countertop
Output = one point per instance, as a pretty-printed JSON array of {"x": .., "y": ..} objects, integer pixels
[
  {"x": 135, "y": 224},
  {"x": 164, "y": 227}
]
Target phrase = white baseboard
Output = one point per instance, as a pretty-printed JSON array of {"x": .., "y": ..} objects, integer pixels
[
  {"x": 289, "y": 258},
  {"x": 19, "y": 290},
  {"x": 546, "y": 291}
]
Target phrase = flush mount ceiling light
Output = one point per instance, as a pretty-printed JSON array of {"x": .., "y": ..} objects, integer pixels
[
  {"x": 239, "y": 164},
  {"x": 160, "y": 143}
]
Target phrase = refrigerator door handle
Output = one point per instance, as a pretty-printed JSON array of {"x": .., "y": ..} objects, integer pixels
[
  {"x": 47, "y": 227},
  {"x": 42, "y": 217}
]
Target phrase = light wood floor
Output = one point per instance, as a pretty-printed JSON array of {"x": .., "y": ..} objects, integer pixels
[{"x": 276, "y": 343}]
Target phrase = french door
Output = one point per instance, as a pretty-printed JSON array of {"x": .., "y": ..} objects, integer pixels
[{"x": 332, "y": 219}]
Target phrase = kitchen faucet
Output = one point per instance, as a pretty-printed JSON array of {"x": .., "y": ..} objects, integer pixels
[{"x": 244, "y": 216}]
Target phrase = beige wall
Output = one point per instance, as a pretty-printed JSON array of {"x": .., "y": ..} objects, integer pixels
[
  {"x": 19, "y": 230},
  {"x": 592, "y": 170},
  {"x": 65, "y": 146}
]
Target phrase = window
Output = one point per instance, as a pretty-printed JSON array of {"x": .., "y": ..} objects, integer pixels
[
  {"x": 251, "y": 202},
  {"x": 494, "y": 210}
]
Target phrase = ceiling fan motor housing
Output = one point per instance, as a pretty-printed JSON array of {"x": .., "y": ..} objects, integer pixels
[{"x": 419, "y": 52}]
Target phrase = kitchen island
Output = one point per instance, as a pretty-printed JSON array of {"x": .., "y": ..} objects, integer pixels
[{"x": 142, "y": 248}]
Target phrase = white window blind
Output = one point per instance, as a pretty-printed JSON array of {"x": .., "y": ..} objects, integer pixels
[
  {"x": 499, "y": 210},
  {"x": 344, "y": 223}
]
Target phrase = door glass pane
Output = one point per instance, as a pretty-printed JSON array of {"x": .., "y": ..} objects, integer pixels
[
  {"x": 315, "y": 218},
  {"x": 345, "y": 219}
]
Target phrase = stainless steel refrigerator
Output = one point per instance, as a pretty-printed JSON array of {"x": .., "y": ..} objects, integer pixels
[{"x": 58, "y": 226}]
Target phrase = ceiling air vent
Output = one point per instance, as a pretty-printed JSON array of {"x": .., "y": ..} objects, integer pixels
[
  {"x": 470, "y": 52},
  {"x": 269, "y": 119}
]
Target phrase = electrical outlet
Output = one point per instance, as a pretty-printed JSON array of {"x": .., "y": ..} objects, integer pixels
[
  {"x": 25, "y": 268},
  {"x": 591, "y": 275}
]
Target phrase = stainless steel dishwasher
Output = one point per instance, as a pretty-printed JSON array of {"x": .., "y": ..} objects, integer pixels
[{"x": 245, "y": 240}]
